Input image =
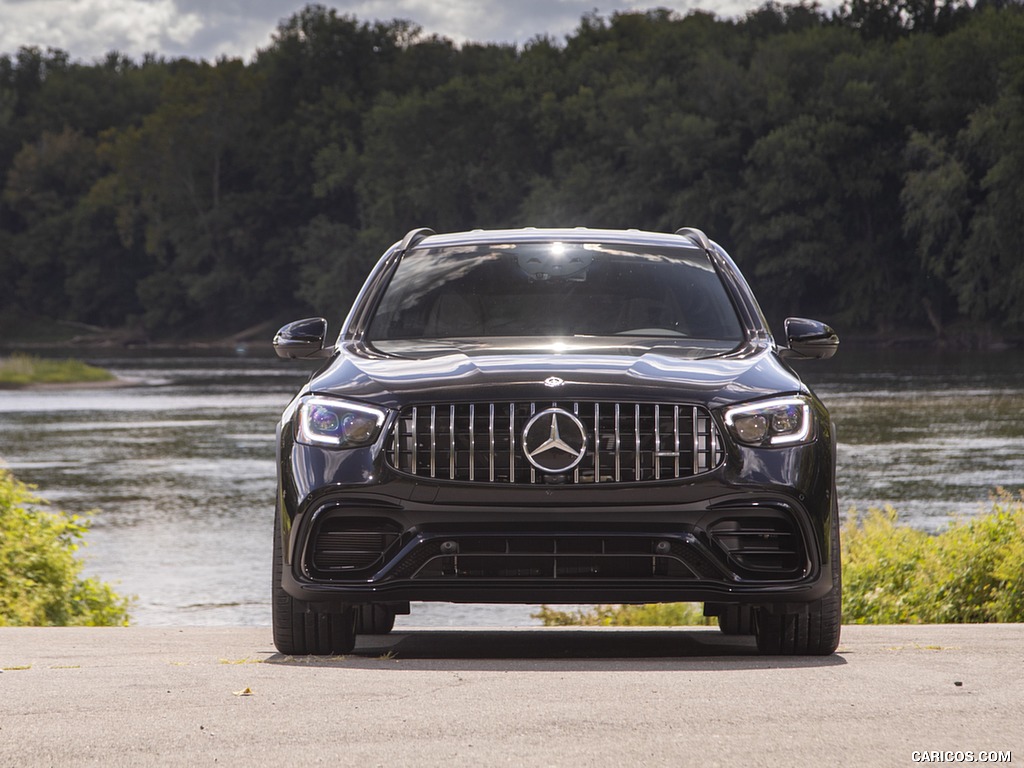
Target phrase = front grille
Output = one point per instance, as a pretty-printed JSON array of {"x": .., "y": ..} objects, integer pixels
[
  {"x": 558, "y": 556},
  {"x": 625, "y": 442}
]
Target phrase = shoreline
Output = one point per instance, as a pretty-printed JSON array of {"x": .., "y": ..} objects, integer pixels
[
  {"x": 21, "y": 371},
  {"x": 115, "y": 383}
]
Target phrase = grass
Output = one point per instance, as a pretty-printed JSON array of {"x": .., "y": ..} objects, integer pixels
[{"x": 21, "y": 370}]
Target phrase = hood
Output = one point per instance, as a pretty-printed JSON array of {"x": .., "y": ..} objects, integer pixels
[{"x": 431, "y": 372}]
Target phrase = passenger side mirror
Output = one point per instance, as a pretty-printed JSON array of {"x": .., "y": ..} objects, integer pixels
[
  {"x": 809, "y": 340},
  {"x": 303, "y": 340}
]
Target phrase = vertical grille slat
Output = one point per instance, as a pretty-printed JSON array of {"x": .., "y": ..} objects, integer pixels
[
  {"x": 696, "y": 445},
  {"x": 576, "y": 472},
  {"x": 511, "y": 442},
  {"x": 618, "y": 444},
  {"x": 413, "y": 442},
  {"x": 472, "y": 442},
  {"x": 636, "y": 429},
  {"x": 675, "y": 430},
  {"x": 626, "y": 442},
  {"x": 433, "y": 441},
  {"x": 657, "y": 442},
  {"x": 490, "y": 430}
]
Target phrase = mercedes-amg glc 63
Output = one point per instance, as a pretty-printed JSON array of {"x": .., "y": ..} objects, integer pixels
[{"x": 556, "y": 416}]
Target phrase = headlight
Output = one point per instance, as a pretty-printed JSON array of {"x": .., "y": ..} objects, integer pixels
[
  {"x": 782, "y": 421},
  {"x": 337, "y": 423}
]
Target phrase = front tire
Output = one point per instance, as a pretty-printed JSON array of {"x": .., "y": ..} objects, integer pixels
[
  {"x": 736, "y": 620},
  {"x": 301, "y": 630},
  {"x": 815, "y": 633},
  {"x": 374, "y": 619}
]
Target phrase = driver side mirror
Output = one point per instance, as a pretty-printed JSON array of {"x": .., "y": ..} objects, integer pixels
[
  {"x": 303, "y": 340},
  {"x": 809, "y": 340}
]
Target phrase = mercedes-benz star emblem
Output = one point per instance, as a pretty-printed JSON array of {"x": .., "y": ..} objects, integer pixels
[{"x": 554, "y": 440}]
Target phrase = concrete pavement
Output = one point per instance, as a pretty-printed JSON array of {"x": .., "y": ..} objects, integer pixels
[{"x": 532, "y": 696}]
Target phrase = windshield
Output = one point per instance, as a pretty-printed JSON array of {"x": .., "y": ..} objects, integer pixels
[{"x": 555, "y": 289}]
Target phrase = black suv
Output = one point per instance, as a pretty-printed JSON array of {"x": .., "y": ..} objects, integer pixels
[{"x": 558, "y": 416}]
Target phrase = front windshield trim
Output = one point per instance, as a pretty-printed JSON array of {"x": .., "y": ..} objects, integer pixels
[{"x": 578, "y": 346}]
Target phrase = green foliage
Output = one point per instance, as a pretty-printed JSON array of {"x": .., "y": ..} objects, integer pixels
[
  {"x": 19, "y": 370},
  {"x": 40, "y": 576},
  {"x": 971, "y": 572},
  {"x": 652, "y": 615},
  {"x": 935, "y": 203},
  {"x": 862, "y": 165}
]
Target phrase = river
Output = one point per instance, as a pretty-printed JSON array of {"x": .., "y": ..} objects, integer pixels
[{"x": 176, "y": 473}]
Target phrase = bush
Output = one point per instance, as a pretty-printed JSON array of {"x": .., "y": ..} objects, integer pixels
[
  {"x": 972, "y": 572},
  {"x": 653, "y": 615},
  {"x": 40, "y": 577}
]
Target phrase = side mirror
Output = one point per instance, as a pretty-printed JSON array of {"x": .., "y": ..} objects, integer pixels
[
  {"x": 302, "y": 340},
  {"x": 809, "y": 340}
]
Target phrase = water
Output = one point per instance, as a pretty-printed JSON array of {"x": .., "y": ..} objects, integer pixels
[
  {"x": 177, "y": 473},
  {"x": 933, "y": 434}
]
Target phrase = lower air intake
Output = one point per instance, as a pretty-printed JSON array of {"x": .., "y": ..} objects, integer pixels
[
  {"x": 343, "y": 545},
  {"x": 761, "y": 544}
]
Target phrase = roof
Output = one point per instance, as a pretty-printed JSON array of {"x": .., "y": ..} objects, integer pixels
[{"x": 424, "y": 238}]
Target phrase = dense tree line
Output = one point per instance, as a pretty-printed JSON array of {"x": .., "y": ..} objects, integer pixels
[{"x": 864, "y": 165}]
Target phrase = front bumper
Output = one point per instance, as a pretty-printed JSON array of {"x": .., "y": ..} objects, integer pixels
[
  {"x": 756, "y": 531},
  {"x": 352, "y": 549}
]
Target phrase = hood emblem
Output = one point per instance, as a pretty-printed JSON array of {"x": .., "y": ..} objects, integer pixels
[
  {"x": 554, "y": 440},
  {"x": 553, "y": 381}
]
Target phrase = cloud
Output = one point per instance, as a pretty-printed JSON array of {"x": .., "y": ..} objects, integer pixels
[
  {"x": 94, "y": 27},
  {"x": 201, "y": 29},
  {"x": 487, "y": 21},
  {"x": 483, "y": 22}
]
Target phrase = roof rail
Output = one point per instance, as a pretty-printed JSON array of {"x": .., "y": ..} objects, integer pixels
[
  {"x": 413, "y": 236},
  {"x": 695, "y": 236}
]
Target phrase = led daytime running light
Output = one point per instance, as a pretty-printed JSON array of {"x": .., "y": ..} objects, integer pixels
[{"x": 783, "y": 421}]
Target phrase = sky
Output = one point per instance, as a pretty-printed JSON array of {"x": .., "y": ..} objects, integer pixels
[{"x": 208, "y": 29}]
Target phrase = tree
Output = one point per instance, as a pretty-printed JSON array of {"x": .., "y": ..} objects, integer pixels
[
  {"x": 891, "y": 19},
  {"x": 183, "y": 178},
  {"x": 817, "y": 218},
  {"x": 858, "y": 163},
  {"x": 936, "y": 206},
  {"x": 66, "y": 262},
  {"x": 456, "y": 157},
  {"x": 989, "y": 274}
]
